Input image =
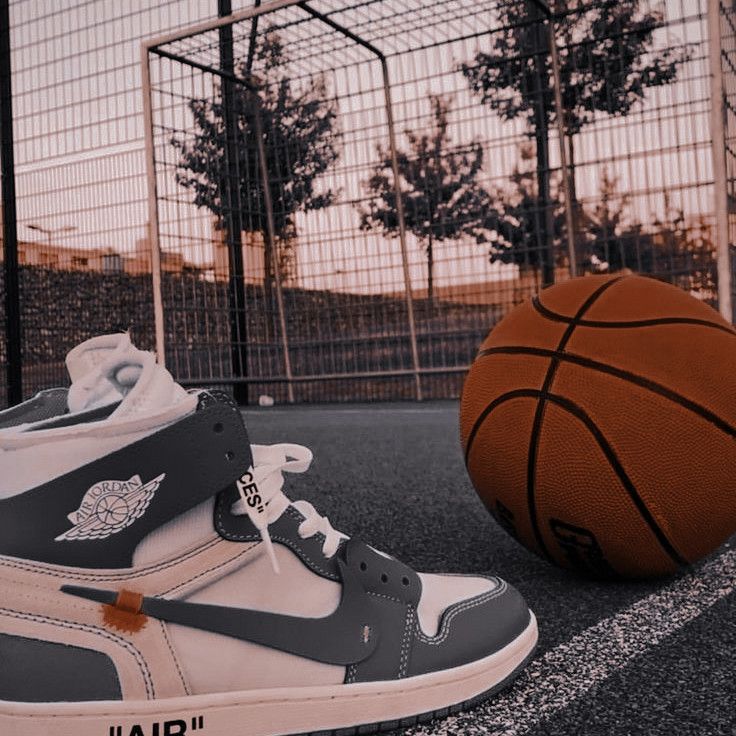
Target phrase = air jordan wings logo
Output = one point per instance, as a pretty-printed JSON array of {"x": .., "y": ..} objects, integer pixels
[{"x": 110, "y": 506}]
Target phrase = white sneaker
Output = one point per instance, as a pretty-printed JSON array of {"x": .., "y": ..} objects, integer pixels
[{"x": 155, "y": 580}]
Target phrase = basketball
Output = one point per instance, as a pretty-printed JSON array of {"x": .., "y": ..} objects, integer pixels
[{"x": 598, "y": 423}]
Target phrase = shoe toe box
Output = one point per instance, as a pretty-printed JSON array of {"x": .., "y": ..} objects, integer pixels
[{"x": 471, "y": 628}]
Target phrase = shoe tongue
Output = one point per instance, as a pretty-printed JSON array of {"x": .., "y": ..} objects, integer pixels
[
  {"x": 91, "y": 353},
  {"x": 110, "y": 369}
]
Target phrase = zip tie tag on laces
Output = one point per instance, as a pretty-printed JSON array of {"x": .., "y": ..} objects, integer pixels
[{"x": 256, "y": 509}]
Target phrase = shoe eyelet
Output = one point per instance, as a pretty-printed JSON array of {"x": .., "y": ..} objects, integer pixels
[
  {"x": 229, "y": 455},
  {"x": 218, "y": 428},
  {"x": 405, "y": 581},
  {"x": 363, "y": 566},
  {"x": 384, "y": 578}
]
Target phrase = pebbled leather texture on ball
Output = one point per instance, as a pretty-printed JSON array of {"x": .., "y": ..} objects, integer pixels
[{"x": 633, "y": 447}]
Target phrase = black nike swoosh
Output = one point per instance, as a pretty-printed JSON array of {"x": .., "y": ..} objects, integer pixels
[{"x": 347, "y": 636}]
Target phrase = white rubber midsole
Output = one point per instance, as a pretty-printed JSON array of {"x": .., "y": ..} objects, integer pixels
[{"x": 271, "y": 712}]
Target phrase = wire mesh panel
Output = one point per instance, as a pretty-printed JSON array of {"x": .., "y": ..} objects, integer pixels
[
  {"x": 351, "y": 194},
  {"x": 727, "y": 26},
  {"x": 320, "y": 299},
  {"x": 364, "y": 189},
  {"x": 80, "y": 173},
  {"x": 643, "y": 174}
]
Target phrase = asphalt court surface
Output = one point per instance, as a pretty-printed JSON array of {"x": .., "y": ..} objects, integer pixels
[{"x": 613, "y": 658}]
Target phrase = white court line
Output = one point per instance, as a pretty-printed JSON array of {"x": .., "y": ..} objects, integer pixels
[{"x": 562, "y": 675}]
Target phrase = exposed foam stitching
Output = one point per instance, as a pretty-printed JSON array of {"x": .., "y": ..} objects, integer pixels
[
  {"x": 406, "y": 642},
  {"x": 351, "y": 673},
  {"x": 218, "y": 566},
  {"x": 53, "y": 571},
  {"x": 48, "y": 595},
  {"x": 150, "y": 689},
  {"x": 165, "y": 632}
]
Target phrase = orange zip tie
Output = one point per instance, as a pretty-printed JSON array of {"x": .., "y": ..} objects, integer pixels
[{"x": 125, "y": 614}]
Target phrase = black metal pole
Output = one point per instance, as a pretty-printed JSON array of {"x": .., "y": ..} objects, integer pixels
[
  {"x": 10, "y": 230},
  {"x": 233, "y": 215},
  {"x": 543, "y": 5}
]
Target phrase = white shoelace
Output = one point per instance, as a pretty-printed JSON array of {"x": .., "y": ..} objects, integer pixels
[{"x": 262, "y": 498}]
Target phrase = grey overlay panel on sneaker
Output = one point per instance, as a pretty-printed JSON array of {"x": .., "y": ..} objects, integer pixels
[
  {"x": 35, "y": 671},
  {"x": 382, "y": 575},
  {"x": 351, "y": 634},
  {"x": 284, "y": 531},
  {"x": 468, "y": 630},
  {"x": 44, "y": 405},
  {"x": 67, "y": 419},
  {"x": 375, "y": 630},
  {"x": 199, "y": 456}
]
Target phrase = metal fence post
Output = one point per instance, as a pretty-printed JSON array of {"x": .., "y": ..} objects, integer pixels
[
  {"x": 258, "y": 120},
  {"x": 416, "y": 370},
  {"x": 233, "y": 218},
  {"x": 13, "y": 352},
  {"x": 718, "y": 152},
  {"x": 153, "y": 224},
  {"x": 561, "y": 135},
  {"x": 402, "y": 230}
]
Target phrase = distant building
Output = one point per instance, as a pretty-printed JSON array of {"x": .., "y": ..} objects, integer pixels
[
  {"x": 253, "y": 257},
  {"x": 99, "y": 260},
  {"x": 62, "y": 258},
  {"x": 137, "y": 262},
  {"x": 171, "y": 261},
  {"x": 253, "y": 251},
  {"x": 509, "y": 287}
]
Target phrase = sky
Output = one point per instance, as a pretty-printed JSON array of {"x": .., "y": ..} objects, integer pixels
[{"x": 79, "y": 129}]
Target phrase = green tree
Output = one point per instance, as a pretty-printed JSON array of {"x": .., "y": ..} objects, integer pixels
[
  {"x": 612, "y": 241},
  {"x": 515, "y": 222},
  {"x": 686, "y": 253},
  {"x": 672, "y": 247},
  {"x": 441, "y": 194},
  {"x": 606, "y": 66},
  {"x": 299, "y": 127}
]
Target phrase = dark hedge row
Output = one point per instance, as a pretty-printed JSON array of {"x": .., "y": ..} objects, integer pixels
[{"x": 329, "y": 332}]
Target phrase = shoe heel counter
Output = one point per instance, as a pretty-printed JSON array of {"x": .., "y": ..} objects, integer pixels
[{"x": 37, "y": 671}]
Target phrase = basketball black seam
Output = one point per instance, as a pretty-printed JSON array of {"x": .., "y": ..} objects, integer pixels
[
  {"x": 539, "y": 413},
  {"x": 624, "y": 375},
  {"x": 517, "y": 393},
  {"x": 579, "y": 413},
  {"x": 572, "y": 408},
  {"x": 633, "y": 324}
]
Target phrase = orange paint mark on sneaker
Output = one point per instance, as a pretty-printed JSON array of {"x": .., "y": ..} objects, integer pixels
[{"x": 125, "y": 614}]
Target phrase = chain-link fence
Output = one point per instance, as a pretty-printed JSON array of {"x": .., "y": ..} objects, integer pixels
[
  {"x": 80, "y": 176},
  {"x": 342, "y": 198},
  {"x": 723, "y": 19},
  {"x": 368, "y": 188}
]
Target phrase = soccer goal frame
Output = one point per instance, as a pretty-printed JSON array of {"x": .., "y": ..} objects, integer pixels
[{"x": 157, "y": 47}]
